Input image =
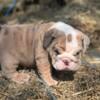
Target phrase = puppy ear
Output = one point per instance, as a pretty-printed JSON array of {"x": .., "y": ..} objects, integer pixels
[
  {"x": 86, "y": 42},
  {"x": 49, "y": 37}
]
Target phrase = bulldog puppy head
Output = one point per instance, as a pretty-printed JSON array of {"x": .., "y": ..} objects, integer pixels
[{"x": 64, "y": 45}]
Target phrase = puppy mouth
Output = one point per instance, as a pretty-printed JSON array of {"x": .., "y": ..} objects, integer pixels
[{"x": 66, "y": 64}]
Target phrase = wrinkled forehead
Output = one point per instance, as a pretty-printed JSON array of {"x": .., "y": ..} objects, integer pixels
[
  {"x": 72, "y": 35},
  {"x": 66, "y": 29}
]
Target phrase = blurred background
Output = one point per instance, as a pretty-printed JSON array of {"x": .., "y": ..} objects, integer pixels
[{"x": 81, "y": 14}]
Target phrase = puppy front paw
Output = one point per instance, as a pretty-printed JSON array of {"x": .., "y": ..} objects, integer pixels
[
  {"x": 20, "y": 78},
  {"x": 51, "y": 82}
]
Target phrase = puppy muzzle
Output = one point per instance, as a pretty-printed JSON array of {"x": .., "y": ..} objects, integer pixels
[{"x": 67, "y": 62}]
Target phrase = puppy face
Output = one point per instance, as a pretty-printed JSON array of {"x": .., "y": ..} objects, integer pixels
[{"x": 64, "y": 45}]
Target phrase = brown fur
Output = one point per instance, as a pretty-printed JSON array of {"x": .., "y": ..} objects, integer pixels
[
  {"x": 23, "y": 44},
  {"x": 69, "y": 37},
  {"x": 34, "y": 44}
]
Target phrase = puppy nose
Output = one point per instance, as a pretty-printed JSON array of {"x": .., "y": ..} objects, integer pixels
[{"x": 66, "y": 62}]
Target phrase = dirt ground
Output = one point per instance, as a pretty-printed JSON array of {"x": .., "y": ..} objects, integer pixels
[{"x": 82, "y": 14}]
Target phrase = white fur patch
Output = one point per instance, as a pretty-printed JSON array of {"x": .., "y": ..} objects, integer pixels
[{"x": 67, "y": 29}]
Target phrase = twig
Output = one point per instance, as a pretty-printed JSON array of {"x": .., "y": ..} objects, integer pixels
[
  {"x": 95, "y": 62},
  {"x": 5, "y": 94},
  {"x": 87, "y": 64},
  {"x": 85, "y": 91},
  {"x": 48, "y": 90}
]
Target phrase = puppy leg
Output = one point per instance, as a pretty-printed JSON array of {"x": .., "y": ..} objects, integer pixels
[
  {"x": 45, "y": 71},
  {"x": 9, "y": 65}
]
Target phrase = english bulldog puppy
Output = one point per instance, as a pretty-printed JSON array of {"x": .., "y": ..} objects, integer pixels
[{"x": 44, "y": 45}]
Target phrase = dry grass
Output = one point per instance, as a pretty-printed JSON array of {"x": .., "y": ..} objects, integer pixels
[{"x": 86, "y": 84}]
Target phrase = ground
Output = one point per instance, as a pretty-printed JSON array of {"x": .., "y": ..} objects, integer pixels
[{"x": 82, "y": 14}]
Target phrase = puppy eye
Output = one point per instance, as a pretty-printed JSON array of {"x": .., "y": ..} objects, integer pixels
[
  {"x": 77, "y": 53},
  {"x": 57, "y": 51}
]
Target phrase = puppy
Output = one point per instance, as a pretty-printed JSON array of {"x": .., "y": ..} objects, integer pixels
[{"x": 45, "y": 45}]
